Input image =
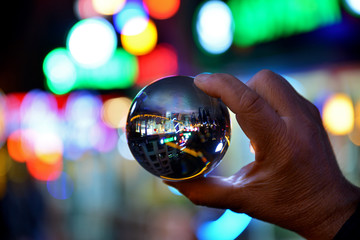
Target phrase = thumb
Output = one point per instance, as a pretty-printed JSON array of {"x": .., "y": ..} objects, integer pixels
[{"x": 211, "y": 191}]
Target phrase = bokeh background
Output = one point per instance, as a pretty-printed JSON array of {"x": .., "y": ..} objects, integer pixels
[{"x": 70, "y": 69}]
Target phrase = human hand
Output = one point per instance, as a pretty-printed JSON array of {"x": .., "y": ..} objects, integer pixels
[{"x": 295, "y": 181}]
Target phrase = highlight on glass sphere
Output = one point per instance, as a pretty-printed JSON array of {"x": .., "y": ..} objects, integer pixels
[{"x": 175, "y": 131}]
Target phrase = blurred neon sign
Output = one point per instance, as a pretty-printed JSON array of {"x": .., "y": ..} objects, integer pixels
[{"x": 265, "y": 20}]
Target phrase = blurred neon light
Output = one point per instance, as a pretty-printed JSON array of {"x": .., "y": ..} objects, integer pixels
[
  {"x": 83, "y": 116},
  {"x": 353, "y": 6},
  {"x": 13, "y": 103},
  {"x": 162, "y": 61},
  {"x": 132, "y": 11},
  {"x": 103, "y": 138},
  {"x": 60, "y": 71},
  {"x": 39, "y": 112},
  {"x": 19, "y": 145},
  {"x": 142, "y": 43},
  {"x": 261, "y": 21},
  {"x": 338, "y": 114},
  {"x": 114, "y": 112},
  {"x": 227, "y": 227},
  {"x": 119, "y": 72},
  {"x": 85, "y": 9},
  {"x": 108, "y": 7},
  {"x": 215, "y": 34},
  {"x": 162, "y": 9},
  {"x": 83, "y": 110},
  {"x": 21, "y": 148},
  {"x": 48, "y": 147},
  {"x": 61, "y": 187},
  {"x": 42, "y": 170},
  {"x": 134, "y": 26},
  {"x": 92, "y": 42}
]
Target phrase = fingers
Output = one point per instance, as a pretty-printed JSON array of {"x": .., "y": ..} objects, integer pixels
[
  {"x": 255, "y": 116},
  {"x": 276, "y": 91},
  {"x": 210, "y": 191}
]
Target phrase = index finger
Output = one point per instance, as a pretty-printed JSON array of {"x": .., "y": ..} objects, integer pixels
[{"x": 255, "y": 116}]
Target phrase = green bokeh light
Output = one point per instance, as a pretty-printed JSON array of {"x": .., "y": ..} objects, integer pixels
[
  {"x": 60, "y": 71},
  {"x": 119, "y": 72},
  {"x": 63, "y": 74},
  {"x": 265, "y": 20}
]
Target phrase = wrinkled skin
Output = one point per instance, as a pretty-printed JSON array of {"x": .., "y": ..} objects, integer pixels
[{"x": 295, "y": 181}]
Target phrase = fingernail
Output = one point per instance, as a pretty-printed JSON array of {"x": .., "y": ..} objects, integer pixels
[{"x": 202, "y": 77}]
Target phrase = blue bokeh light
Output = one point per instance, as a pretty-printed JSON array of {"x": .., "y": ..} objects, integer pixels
[
  {"x": 62, "y": 187},
  {"x": 131, "y": 11},
  {"x": 227, "y": 227}
]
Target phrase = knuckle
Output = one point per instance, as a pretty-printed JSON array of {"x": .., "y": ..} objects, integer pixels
[
  {"x": 265, "y": 74},
  {"x": 251, "y": 102}
]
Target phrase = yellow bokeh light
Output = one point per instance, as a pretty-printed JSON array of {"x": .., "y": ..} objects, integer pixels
[
  {"x": 357, "y": 115},
  {"x": 338, "y": 114},
  {"x": 114, "y": 112},
  {"x": 108, "y": 7},
  {"x": 141, "y": 43},
  {"x": 354, "y": 136}
]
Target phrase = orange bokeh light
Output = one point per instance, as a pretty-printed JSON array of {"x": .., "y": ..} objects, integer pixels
[
  {"x": 45, "y": 171},
  {"x": 162, "y": 9},
  {"x": 41, "y": 165},
  {"x": 19, "y": 145}
]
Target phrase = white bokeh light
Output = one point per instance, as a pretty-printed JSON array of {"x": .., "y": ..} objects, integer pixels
[
  {"x": 214, "y": 26},
  {"x": 92, "y": 42},
  {"x": 354, "y": 6}
]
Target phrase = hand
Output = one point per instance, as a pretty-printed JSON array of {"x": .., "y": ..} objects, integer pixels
[{"x": 295, "y": 181}]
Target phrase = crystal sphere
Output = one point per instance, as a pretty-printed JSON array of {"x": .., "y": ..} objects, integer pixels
[{"x": 176, "y": 131}]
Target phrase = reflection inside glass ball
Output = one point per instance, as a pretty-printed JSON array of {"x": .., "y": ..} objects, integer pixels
[{"x": 175, "y": 131}]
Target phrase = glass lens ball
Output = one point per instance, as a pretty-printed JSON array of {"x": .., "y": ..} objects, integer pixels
[{"x": 176, "y": 131}]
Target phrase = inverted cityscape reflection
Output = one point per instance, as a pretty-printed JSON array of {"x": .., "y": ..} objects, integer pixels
[{"x": 177, "y": 132}]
